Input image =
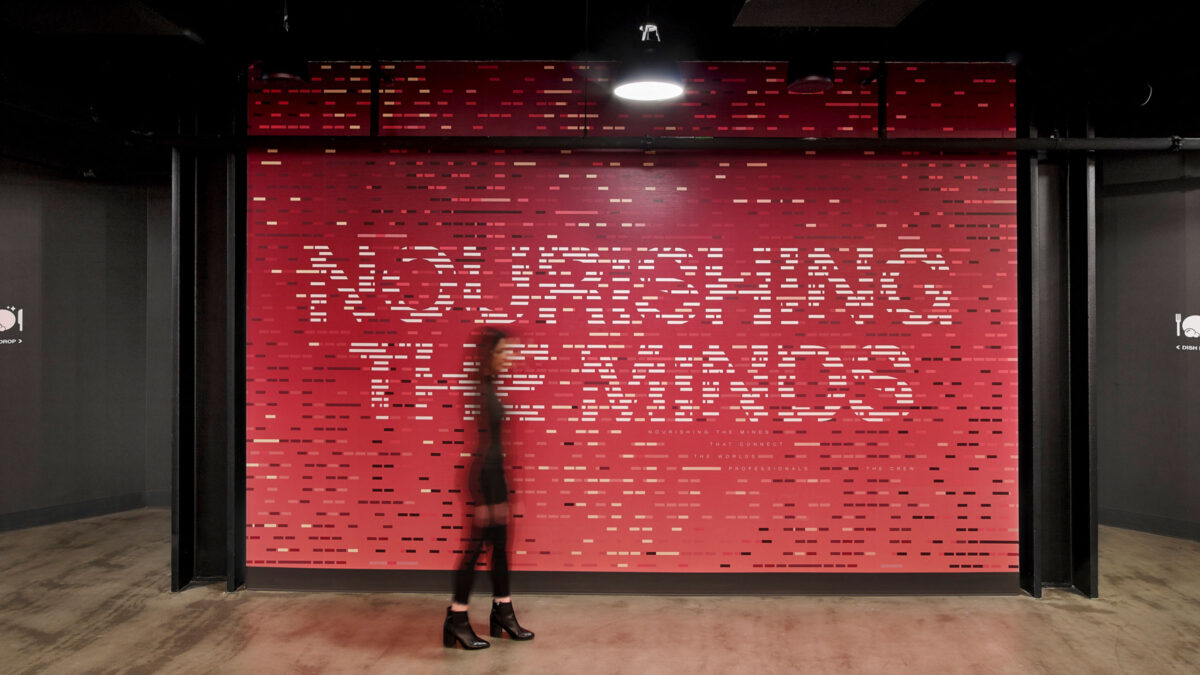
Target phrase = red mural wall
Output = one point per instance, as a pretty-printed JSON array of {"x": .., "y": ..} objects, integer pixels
[
  {"x": 738, "y": 362},
  {"x": 727, "y": 361}
]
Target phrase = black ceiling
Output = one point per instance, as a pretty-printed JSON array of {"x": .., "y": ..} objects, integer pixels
[
  {"x": 89, "y": 82},
  {"x": 825, "y": 13}
]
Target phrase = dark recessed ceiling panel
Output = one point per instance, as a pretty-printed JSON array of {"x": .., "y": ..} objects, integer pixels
[
  {"x": 825, "y": 13},
  {"x": 88, "y": 17}
]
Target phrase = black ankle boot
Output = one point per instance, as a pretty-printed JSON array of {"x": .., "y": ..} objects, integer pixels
[
  {"x": 458, "y": 629},
  {"x": 504, "y": 619}
]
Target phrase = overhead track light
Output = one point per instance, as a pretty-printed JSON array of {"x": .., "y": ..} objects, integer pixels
[
  {"x": 810, "y": 75},
  {"x": 284, "y": 62},
  {"x": 649, "y": 75},
  {"x": 284, "y": 67}
]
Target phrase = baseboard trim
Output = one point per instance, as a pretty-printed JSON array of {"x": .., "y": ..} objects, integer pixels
[
  {"x": 20, "y": 520},
  {"x": 1168, "y": 527},
  {"x": 642, "y": 583}
]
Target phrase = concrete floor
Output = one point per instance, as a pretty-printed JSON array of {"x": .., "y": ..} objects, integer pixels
[{"x": 92, "y": 596}]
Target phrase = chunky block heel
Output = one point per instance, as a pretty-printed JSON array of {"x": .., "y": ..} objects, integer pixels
[
  {"x": 458, "y": 629},
  {"x": 505, "y": 620}
]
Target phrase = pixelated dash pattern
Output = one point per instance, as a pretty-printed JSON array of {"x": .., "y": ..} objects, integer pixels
[{"x": 727, "y": 362}]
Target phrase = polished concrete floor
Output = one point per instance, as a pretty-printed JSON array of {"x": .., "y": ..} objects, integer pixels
[{"x": 92, "y": 596}]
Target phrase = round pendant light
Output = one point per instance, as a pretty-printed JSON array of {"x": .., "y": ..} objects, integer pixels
[
  {"x": 648, "y": 75},
  {"x": 811, "y": 75}
]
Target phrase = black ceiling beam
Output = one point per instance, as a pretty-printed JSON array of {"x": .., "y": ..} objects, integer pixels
[{"x": 456, "y": 143}]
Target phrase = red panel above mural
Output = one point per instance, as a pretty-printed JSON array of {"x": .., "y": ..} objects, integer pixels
[
  {"x": 452, "y": 98},
  {"x": 722, "y": 100},
  {"x": 745, "y": 99},
  {"x": 336, "y": 101},
  {"x": 463, "y": 98},
  {"x": 952, "y": 100}
]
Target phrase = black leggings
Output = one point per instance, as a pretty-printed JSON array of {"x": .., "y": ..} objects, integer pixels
[{"x": 495, "y": 536}]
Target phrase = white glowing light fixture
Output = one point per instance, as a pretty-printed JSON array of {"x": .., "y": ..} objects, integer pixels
[
  {"x": 648, "y": 90},
  {"x": 649, "y": 76}
]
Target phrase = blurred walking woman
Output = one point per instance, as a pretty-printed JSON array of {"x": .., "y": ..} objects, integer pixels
[{"x": 489, "y": 491}]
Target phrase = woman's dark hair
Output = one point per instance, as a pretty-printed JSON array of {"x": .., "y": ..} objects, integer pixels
[{"x": 487, "y": 340}]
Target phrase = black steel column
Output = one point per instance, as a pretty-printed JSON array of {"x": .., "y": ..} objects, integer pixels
[
  {"x": 212, "y": 364},
  {"x": 1056, "y": 314},
  {"x": 208, "y": 206},
  {"x": 235, "y": 371},
  {"x": 183, "y": 469},
  {"x": 1050, "y": 363},
  {"x": 235, "y": 344},
  {"x": 1029, "y": 470},
  {"x": 1081, "y": 186},
  {"x": 204, "y": 189},
  {"x": 1045, "y": 371},
  {"x": 209, "y": 215}
]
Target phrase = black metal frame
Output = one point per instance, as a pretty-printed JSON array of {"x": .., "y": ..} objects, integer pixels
[
  {"x": 1041, "y": 367},
  {"x": 650, "y": 583},
  {"x": 1046, "y": 146}
]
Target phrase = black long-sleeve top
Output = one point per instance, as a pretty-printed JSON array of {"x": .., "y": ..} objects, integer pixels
[{"x": 488, "y": 484}]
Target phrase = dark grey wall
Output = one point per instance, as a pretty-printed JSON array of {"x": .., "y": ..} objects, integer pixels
[
  {"x": 1148, "y": 390},
  {"x": 73, "y": 393},
  {"x": 158, "y": 346}
]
